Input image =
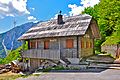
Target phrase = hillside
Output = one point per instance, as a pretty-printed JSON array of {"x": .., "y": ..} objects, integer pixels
[
  {"x": 107, "y": 14},
  {"x": 8, "y": 40}
]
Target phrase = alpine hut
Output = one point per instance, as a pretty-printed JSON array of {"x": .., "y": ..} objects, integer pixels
[{"x": 63, "y": 39}]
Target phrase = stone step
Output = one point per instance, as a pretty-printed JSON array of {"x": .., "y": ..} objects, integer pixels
[{"x": 74, "y": 60}]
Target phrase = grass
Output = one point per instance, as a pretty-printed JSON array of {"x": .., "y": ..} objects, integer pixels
[
  {"x": 53, "y": 68},
  {"x": 14, "y": 76},
  {"x": 9, "y": 76}
]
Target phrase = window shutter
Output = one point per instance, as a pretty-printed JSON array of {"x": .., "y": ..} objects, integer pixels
[
  {"x": 46, "y": 44},
  {"x": 69, "y": 43},
  {"x": 82, "y": 43}
]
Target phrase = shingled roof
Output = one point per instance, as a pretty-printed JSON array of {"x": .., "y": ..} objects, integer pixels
[{"x": 73, "y": 25}]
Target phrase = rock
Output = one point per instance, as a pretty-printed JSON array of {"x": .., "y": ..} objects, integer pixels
[{"x": 117, "y": 61}]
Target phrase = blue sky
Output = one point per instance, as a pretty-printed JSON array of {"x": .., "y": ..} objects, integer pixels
[{"x": 23, "y": 11}]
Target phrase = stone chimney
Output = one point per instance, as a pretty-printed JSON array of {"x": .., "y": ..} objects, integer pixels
[{"x": 60, "y": 18}]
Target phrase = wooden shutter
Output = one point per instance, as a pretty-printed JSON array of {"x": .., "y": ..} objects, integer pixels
[
  {"x": 91, "y": 45},
  {"x": 69, "y": 43},
  {"x": 46, "y": 44},
  {"x": 87, "y": 44},
  {"x": 82, "y": 43}
]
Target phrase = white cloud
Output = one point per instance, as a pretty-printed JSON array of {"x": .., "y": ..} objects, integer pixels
[
  {"x": 31, "y": 18},
  {"x": 56, "y": 15},
  {"x": 32, "y": 9},
  {"x": 13, "y": 7},
  {"x": 76, "y": 10},
  {"x": 89, "y": 3}
]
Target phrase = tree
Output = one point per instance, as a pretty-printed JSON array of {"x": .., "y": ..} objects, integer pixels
[{"x": 107, "y": 14}]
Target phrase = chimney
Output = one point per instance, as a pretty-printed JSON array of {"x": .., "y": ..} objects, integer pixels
[{"x": 60, "y": 18}]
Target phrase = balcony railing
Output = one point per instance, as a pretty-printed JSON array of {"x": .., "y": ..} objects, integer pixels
[
  {"x": 69, "y": 53},
  {"x": 42, "y": 54}
]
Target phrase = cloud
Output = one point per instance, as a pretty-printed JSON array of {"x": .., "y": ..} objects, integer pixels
[
  {"x": 76, "y": 10},
  {"x": 56, "y": 15},
  {"x": 13, "y": 8},
  {"x": 31, "y": 18},
  {"x": 89, "y": 3},
  {"x": 32, "y": 9}
]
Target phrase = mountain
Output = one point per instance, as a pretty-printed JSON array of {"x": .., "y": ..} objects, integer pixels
[{"x": 8, "y": 40}]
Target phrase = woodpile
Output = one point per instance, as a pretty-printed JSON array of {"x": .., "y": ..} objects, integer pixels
[
  {"x": 5, "y": 68},
  {"x": 15, "y": 67}
]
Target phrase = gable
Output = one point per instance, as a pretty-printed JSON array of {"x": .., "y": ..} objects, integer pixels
[{"x": 94, "y": 29}]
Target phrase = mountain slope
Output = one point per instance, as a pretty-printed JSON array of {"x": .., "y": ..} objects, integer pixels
[{"x": 8, "y": 40}]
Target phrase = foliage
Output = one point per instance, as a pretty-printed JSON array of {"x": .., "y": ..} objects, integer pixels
[
  {"x": 107, "y": 14},
  {"x": 14, "y": 54},
  {"x": 114, "y": 39}
]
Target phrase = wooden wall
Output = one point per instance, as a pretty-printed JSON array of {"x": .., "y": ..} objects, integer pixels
[
  {"x": 86, "y": 44},
  {"x": 35, "y": 63}
]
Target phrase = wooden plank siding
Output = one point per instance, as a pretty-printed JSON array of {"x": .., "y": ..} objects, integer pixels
[
  {"x": 42, "y": 54},
  {"x": 67, "y": 47},
  {"x": 69, "y": 53}
]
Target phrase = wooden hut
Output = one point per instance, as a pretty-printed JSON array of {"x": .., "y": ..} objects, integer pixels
[{"x": 63, "y": 39}]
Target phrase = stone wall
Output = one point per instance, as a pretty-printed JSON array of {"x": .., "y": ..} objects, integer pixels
[{"x": 114, "y": 50}]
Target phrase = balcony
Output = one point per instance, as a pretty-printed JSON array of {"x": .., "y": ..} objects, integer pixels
[{"x": 42, "y": 54}]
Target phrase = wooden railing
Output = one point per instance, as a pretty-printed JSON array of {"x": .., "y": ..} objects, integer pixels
[
  {"x": 69, "y": 53},
  {"x": 42, "y": 54}
]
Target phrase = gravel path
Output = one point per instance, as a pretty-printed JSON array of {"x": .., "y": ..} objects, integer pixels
[{"x": 108, "y": 74}]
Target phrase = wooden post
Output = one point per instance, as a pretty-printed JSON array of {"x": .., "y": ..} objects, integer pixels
[
  {"x": 28, "y": 44},
  {"x": 77, "y": 47},
  {"x": 59, "y": 46}
]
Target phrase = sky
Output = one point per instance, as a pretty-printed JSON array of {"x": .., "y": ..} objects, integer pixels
[{"x": 23, "y": 11}]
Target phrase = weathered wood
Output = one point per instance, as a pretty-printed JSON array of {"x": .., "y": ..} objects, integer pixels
[
  {"x": 69, "y": 53},
  {"x": 43, "y": 54}
]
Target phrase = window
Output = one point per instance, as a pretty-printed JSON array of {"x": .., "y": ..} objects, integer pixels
[
  {"x": 69, "y": 43},
  {"x": 32, "y": 44},
  {"x": 82, "y": 43},
  {"x": 39, "y": 44},
  {"x": 46, "y": 44}
]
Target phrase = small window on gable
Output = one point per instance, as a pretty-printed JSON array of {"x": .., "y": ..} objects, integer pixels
[
  {"x": 33, "y": 44},
  {"x": 69, "y": 43},
  {"x": 46, "y": 44}
]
